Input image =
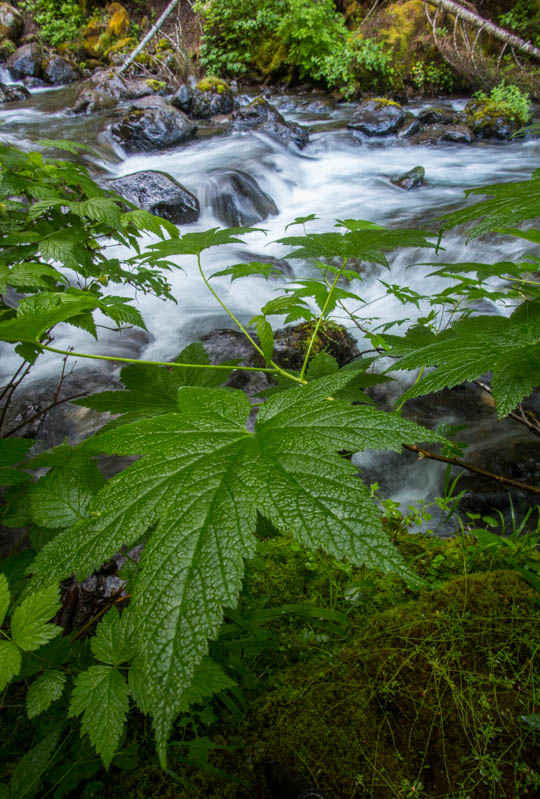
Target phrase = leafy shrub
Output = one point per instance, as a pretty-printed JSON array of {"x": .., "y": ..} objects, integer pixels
[
  {"x": 508, "y": 100},
  {"x": 432, "y": 78},
  {"x": 309, "y": 38},
  {"x": 59, "y": 20}
]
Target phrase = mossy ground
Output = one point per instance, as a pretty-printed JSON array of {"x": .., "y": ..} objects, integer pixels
[{"x": 370, "y": 690}]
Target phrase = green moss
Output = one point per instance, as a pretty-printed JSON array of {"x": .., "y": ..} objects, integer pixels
[
  {"x": 156, "y": 85},
  {"x": 212, "y": 84},
  {"x": 385, "y": 101}
]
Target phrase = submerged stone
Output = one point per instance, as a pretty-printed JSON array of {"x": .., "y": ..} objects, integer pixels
[
  {"x": 260, "y": 114},
  {"x": 411, "y": 179},
  {"x": 237, "y": 199}
]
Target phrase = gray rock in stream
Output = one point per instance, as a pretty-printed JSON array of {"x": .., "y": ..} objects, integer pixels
[
  {"x": 11, "y": 94},
  {"x": 105, "y": 89},
  {"x": 411, "y": 179},
  {"x": 261, "y": 115},
  {"x": 460, "y": 134},
  {"x": 26, "y": 61},
  {"x": 158, "y": 193},
  {"x": 59, "y": 71},
  {"x": 411, "y": 126},
  {"x": 206, "y": 102},
  {"x": 153, "y": 128},
  {"x": 378, "y": 117},
  {"x": 436, "y": 116},
  {"x": 237, "y": 199}
]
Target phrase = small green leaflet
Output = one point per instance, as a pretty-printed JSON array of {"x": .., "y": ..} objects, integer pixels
[
  {"x": 38, "y": 313},
  {"x": 144, "y": 220},
  {"x": 301, "y": 220},
  {"x": 10, "y": 662},
  {"x": 152, "y": 390},
  {"x": 294, "y": 307},
  {"x": 29, "y": 770},
  {"x": 237, "y": 271},
  {"x": 507, "y": 347},
  {"x": 44, "y": 691},
  {"x": 4, "y": 598},
  {"x": 368, "y": 243},
  {"x": 101, "y": 694},
  {"x": 61, "y": 498},
  {"x": 65, "y": 144},
  {"x": 265, "y": 334},
  {"x": 111, "y": 644},
  {"x": 533, "y": 720},
  {"x": 29, "y": 623},
  {"x": 199, "y": 485},
  {"x": 196, "y": 243},
  {"x": 12, "y": 451},
  {"x": 510, "y": 204},
  {"x": 208, "y": 679}
]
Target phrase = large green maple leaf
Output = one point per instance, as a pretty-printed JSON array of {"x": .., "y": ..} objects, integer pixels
[{"x": 195, "y": 494}]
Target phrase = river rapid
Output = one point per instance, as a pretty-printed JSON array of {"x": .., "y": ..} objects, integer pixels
[{"x": 338, "y": 175}]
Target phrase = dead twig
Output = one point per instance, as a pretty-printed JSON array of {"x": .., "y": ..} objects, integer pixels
[{"x": 499, "y": 478}]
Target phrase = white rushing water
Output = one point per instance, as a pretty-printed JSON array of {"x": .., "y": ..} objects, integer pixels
[{"x": 337, "y": 176}]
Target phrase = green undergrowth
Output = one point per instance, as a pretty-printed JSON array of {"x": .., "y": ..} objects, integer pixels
[{"x": 353, "y": 680}]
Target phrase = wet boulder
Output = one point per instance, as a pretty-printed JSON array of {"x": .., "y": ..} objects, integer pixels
[
  {"x": 105, "y": 89},
  {"x": 377, "y": 117},
  {"x": 261, "y": 115},
  {"x": 210, "y": 98},
  {"x": 431, "y": 134},
  {"x": 152, "y": 128},
  {"x": 58, "y": 71},
  {"x": 460, "y": 134},
  {"x": 158, "y": 193},
  {"x": 436, "y": 116},
  {"x": 411, "y": 126},
  {"x": 182, "y": 98},
  {"x": 411, "y": 179},
  {"x": 11, "y": 22},
  {"x": 290, "y": 344},
  {"x": 237, "y": 199},
  {"x": 26, "y": 61},
  {"x": 10, "y": 94}
]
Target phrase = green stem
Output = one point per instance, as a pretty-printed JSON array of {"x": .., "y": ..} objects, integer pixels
[
  {"x": 320, "y": 319},
  {"x": 418, "y": 378},
  {"x": 155, "y": 363},
  {"x": 273, "y": 364},
  {"x": 227, "y": 310}
]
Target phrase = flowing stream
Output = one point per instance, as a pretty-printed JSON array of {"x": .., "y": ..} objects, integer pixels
[{"x": 337, "y": 176}]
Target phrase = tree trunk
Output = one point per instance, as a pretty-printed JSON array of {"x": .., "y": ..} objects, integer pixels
[
  {"x": 479, "y": 22},
  {"x": 149, "y": 36}
]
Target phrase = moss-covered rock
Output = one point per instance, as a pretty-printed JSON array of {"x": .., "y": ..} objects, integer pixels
[
  {"x": 212, "y": 84},
  {"x": 11, "y": 22},
  {"x": 492, "y": 120},
  {"x": 211, "y": 97},
  {"x": 118, "y": 24},
  {"x": 291, "y": 343}
]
